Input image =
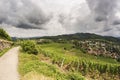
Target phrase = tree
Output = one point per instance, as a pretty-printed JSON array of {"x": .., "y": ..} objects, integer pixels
[
  {"x": 29, "y": 47},
  {"x": 4, "y": 35}
]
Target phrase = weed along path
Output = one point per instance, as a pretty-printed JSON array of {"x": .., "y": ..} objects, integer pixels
[{"x": 9, "y": 64}]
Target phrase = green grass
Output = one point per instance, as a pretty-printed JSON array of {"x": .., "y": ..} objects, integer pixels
[
  {"x": 81, "y": 62},
  {"x": 56, "y": 47},
  {"x": 59, "y": 49},
  {"x": 29, "y": 63},
  {"x": 73, "y": 61},
  {"x": 35, "y": 76},
  {"x": 3, "y": 51}
]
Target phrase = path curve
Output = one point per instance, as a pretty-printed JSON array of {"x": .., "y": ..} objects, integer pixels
[{"x": 9, "y": 65}]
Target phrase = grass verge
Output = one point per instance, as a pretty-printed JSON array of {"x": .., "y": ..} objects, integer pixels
[
  {"x": 4, "y": 51},
  {"x": 31, "y": 65}
]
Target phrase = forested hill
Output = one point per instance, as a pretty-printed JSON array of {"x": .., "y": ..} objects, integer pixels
[
  {"x": 4, "y": 35},
  {"x": 83, "y": 36}
]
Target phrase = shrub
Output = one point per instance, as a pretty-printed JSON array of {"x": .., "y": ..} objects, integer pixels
[
  {"x": 76, "y": 76},
  {"x": 29, "y": 47},
  {"x": 4, "y": 35},
  {"x": 118, "y": 59}
]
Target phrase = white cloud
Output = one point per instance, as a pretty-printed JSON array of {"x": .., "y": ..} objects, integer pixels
[
  {"x": 54, "y": 17},
  {"x": 117, "y": 15}
]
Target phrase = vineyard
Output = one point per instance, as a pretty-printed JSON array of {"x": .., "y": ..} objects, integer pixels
[{"x": 62, "y": 61}]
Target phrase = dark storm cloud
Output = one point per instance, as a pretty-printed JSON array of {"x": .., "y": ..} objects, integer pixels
[
  {"x": 103, "y": 9},
  {"x": 99, "y": 19},
  {"x": 68, "y": 16},
  {"x": 116, "y": 22},
  {"x": 22, "y": 14}
]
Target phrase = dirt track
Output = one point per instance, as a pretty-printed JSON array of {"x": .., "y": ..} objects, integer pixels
[{"x": 9, "y": 65}]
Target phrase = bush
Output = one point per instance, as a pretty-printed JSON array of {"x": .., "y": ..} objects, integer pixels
[
  {"x": 29, "y": 47},
  {"x": 118, "y": 59},
  {"x": 76, "y": 76},
  {"x": 4, "y": 35}
]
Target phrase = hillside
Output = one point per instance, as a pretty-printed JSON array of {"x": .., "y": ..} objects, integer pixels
[
  {"x": 5, "y": 42},
  {"x": 93, "y": 44},
  {"x": 80, "y": 56},
  {"x": 83, "y": 36},
  {"x": 106, "y": 46},
  {"x": 76, "y": 36},
  {"x": 4, "y": 35},
  {"x": 63, "y": 61}
]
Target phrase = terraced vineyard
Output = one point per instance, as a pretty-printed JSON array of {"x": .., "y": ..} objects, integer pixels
[{"x": 61, "y": 61}]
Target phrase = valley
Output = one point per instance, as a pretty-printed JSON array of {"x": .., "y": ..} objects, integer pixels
[
  {"x": 70, "y": 59},
  {"x": 80, "y": 56}
]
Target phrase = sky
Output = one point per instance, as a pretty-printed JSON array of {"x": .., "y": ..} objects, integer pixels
[{"x": 31, "y": 18}]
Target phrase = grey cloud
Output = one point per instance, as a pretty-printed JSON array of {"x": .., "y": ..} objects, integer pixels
[
  {"x": 107, "y": 29},
  {"x": 103, "y": 9},
  {"x": 99, "y": 19},
  {"x": 96, "y": 16},
  {"x": 61, "y": 18},
  {"x": 116, "y": 22},
  {"x": 22, "y": 14}
]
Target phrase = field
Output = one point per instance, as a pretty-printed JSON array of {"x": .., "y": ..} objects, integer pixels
[
  {"x": 58, "y": 48},
  {"x": 61, "y": 61}
]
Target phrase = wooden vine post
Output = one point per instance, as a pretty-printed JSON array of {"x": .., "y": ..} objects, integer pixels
[{"x": 62, "y": 62}]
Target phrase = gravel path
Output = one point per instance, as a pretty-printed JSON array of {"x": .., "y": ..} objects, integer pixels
[{"x": 8, "y": 65}]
